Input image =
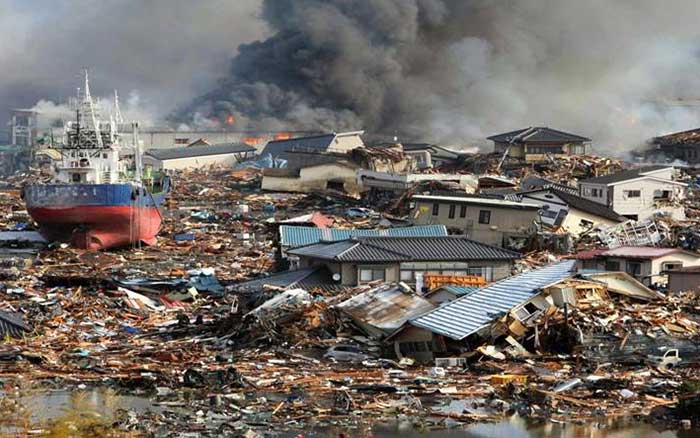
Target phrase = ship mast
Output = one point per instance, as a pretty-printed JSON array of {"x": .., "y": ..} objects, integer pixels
[{"x": 88, "y": 104}]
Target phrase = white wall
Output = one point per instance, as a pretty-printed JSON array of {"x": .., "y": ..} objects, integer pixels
[{"x": 645, "y": 206}]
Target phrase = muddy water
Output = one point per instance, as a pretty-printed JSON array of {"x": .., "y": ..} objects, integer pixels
[{"x": 106, "y": 402}]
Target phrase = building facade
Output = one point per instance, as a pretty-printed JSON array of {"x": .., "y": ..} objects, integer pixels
[{"x": 482, "y": 219}]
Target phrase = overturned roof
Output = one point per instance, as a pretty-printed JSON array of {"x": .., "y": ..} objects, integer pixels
[
  {"x": 293, "y": 236},
  {"x": 625, "y": 175},
  {"x": 316, "y": 143},
  {"x": 199, "y": 151},
  {"x": 468, "y": 314},
  {"x": 404, "y": 249},
  {"x": 538, "y": 134},
  {"x": 386, "y": 308}
]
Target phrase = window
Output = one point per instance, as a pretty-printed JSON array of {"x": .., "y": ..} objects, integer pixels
[
  {"x": 612, "y": 265},
  {"x": 75, "y": 177},
  {"x": 632, "y": 193},
  {"x": 368, "y": 274},
  {"x": 414, "y": 347},
  {"x": 451, "y": 214},
  {"x": 634, "y": 268},
  {"x": 463, "y": 211},
  {"x": 182, "y": 141},
  {"x": 597, "y": 193},
  {"x": 436, "y": 209},
  {"x": 484, "y": 216}
]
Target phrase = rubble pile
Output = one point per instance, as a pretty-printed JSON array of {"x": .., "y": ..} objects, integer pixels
[{"x": 168, "y": 322}]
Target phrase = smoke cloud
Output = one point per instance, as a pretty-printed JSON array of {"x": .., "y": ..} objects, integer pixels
[
  {"x": 159, "y": 54},
  {"x": 457, "y": 71}
]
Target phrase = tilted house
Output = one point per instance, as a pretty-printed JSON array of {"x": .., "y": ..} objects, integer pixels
[{"x": 638, "y": 193}]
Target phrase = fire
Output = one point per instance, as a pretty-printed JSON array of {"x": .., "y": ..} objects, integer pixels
[
  {"x": 230, "y": 120},
  {"x": 283, "y": 136},
  {"x": 252, "y": 141}
]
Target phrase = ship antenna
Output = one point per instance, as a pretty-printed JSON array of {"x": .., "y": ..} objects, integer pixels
[
  {"x": 117, "y": 112},
  {"x": 91, "y": 108}
]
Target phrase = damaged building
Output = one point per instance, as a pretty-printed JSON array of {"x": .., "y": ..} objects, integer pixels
[{"x": 638, "y": 193}]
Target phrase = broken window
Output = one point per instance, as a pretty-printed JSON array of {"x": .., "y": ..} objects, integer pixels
[
  {"x": 531, "y": 308},
  {"x": 662, "y": 194},
  {"x": 484, "y": 216}
]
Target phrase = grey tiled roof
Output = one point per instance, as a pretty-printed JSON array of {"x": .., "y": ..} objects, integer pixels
[
  {"x": 468, "y": 314},
  {"x": 199, "y": 151},
  {"x": 537, "y": 134},
  {"x": 387, "y": 249},
  {"x": 624, "y": 175}
]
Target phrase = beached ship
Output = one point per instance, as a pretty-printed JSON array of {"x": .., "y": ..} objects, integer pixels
[{"x": 97, "y": 199}]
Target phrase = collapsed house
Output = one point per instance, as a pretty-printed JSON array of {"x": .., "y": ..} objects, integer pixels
[
  {"x": 683, "y": 146},
  {"x": 638, "y": 193},
  {"x": 307, "y": 172},
  {"x": 475, "y": 312},
  {"x": 483, "y": 219},
  {"x": 535, "y": 144},
  {"x": 361, "y": 260},
  {"x": 647, "y": 264}
]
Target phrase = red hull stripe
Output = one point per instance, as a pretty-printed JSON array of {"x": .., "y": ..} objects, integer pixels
[{"x": 98, "y": 227}]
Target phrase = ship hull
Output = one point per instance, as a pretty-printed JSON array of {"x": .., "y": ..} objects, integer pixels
[{"x": 94, "y": 216}]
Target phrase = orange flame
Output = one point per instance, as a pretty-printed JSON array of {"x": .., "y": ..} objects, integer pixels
[
  {"x": 230, "y": 120},
  {"x": 252, "y": 141},
  {"x": 283, "y": 136}
]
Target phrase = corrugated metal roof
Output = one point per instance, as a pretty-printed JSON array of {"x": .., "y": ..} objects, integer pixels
[
  {"x": 468, "y": 314},
  {"x": 460, "y": 290},
  {"x": 386, "y": 308},
  {"x": 199, "y": 151},
  {"x": 387, "y": 249},
  {"x": 293, "y": 236},
  {"x": 306, "y": 278}
]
